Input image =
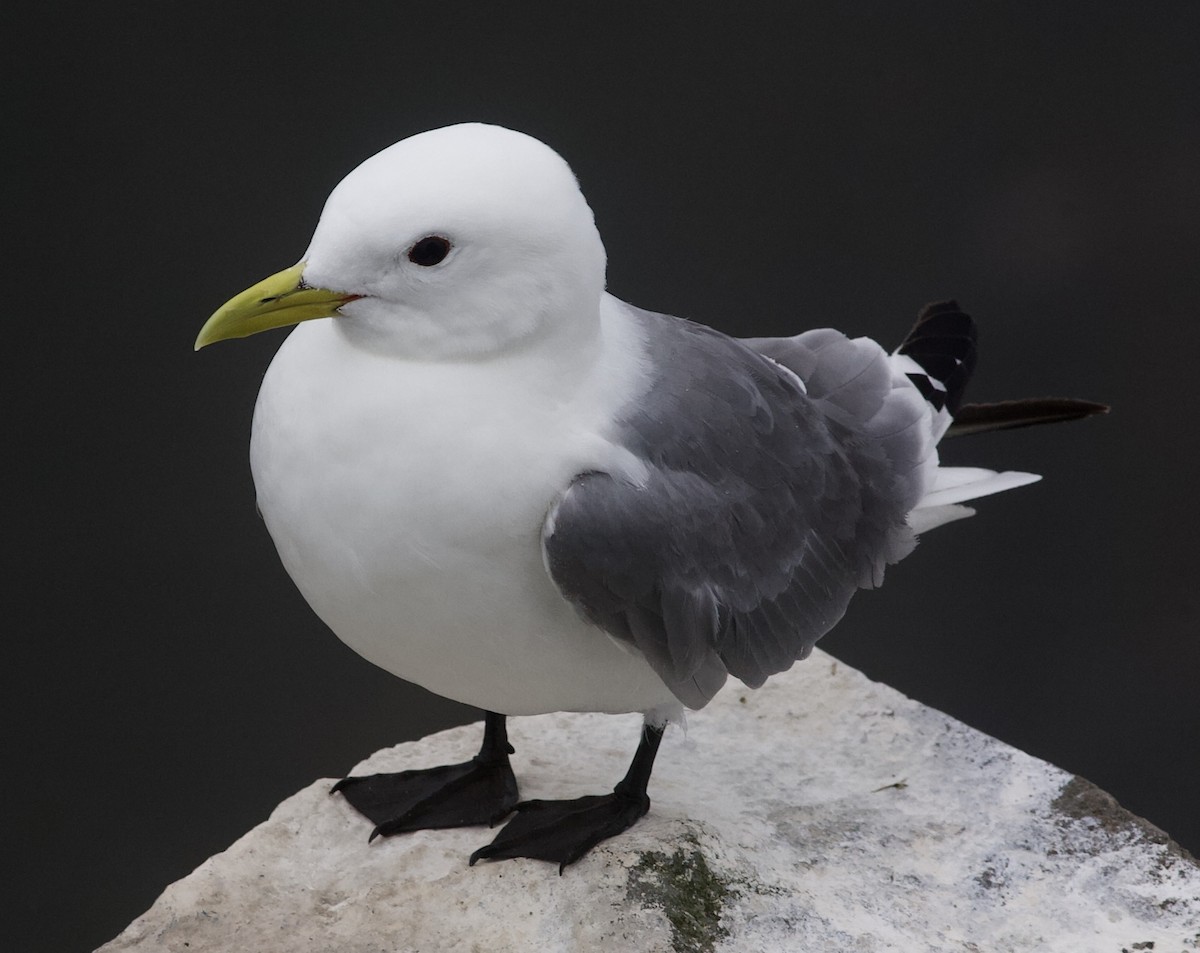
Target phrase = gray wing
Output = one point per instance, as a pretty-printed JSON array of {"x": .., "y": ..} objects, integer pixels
[{"x": 763, "y": 510}]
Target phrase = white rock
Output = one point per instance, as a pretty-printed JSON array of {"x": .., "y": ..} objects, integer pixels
[{"x": 823, "y": 812}]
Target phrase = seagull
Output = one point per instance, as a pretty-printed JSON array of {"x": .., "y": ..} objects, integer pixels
[{"x": 490, "y": 477}]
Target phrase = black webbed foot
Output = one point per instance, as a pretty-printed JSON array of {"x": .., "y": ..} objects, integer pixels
[
  {"x": 454, "y": 795},
  {"x": 480, "y": 791},
  {"x": 563, "y": 831}
]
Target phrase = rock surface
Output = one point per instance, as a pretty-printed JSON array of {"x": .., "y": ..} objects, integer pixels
[{"x": 823, "y": 812}]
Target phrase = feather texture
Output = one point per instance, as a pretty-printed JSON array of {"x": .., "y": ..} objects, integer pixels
[{"x": 762, "y": 510}]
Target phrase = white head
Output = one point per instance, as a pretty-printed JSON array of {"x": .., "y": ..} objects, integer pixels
[
  {"x": 455, "y": 243},
  {"x": 524, "y": 252}
]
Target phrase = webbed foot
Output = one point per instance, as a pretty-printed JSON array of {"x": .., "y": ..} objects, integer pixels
[
  {"x": 480, "y": 791},
  {"x": 563, "y": 831}
]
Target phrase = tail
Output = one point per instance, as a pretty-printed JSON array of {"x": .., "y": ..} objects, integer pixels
[{"x": 938, "y": 357}]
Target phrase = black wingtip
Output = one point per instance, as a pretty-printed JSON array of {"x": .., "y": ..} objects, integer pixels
[
  {"x": 950, "y": 305},
  {"x": 1011, "y": 414},
  {"x": 943, "y": 343}
]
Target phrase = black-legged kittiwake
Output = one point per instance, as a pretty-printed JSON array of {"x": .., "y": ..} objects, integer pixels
[{"x": 492, "y": 478}]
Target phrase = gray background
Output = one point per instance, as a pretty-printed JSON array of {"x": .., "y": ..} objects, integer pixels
[{"x": 761, "y": 171}]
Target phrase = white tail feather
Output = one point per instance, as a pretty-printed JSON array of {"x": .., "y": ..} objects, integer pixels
[
  {"x": 954, "y": 485},
  {"x": 927, "y": 517}
]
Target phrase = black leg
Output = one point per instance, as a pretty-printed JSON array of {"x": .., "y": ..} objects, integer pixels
[
  {"x": 563, "y": 831},
  {"x": 480, "y": 791}
]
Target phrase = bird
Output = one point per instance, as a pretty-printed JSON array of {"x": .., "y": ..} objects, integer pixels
[{"x": 491, "y": 477}]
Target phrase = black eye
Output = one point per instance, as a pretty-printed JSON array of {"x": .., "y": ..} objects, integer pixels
[{"x": 429, "y": 251}]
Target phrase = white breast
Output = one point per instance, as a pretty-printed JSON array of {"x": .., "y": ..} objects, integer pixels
[{"x": 407, "y": 501}]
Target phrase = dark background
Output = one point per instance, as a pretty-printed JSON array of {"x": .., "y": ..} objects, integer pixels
[{"x": 764, "y": 172}]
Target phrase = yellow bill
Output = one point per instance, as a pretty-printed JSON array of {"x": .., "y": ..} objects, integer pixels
[{"x": 276, "y": 302}]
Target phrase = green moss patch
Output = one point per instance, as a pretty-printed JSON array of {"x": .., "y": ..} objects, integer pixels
[{"x": 687, "y": 890}]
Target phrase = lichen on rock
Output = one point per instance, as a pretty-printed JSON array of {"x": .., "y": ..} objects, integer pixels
[{"x": 688, "y": 891}]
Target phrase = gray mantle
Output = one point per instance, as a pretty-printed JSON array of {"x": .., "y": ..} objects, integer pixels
[{"x": 823, "y": 812}]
